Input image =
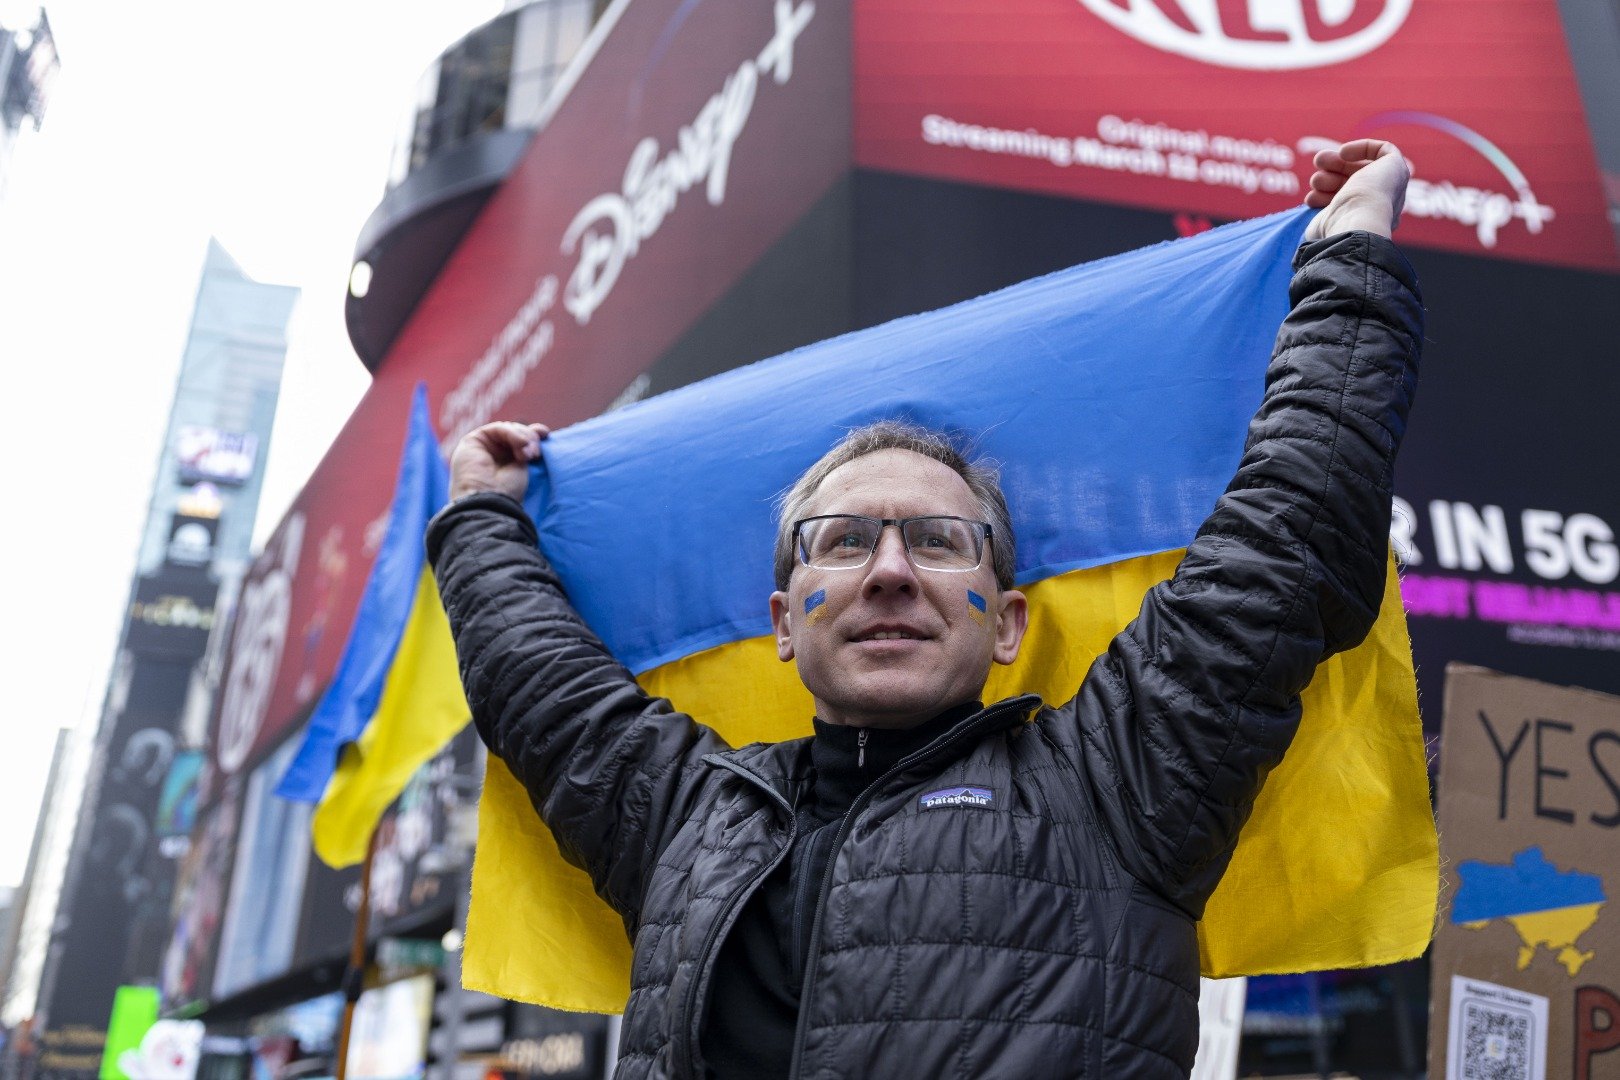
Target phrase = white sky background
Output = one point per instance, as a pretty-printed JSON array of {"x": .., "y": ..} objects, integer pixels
[{"x": 268, "y": 126}]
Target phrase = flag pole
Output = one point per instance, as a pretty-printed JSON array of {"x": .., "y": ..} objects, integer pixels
[{"x": 354, "y": 976}]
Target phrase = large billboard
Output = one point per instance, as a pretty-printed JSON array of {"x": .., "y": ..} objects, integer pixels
[
  {"x": 117, "y": 902},
  {"x": 1507, "y": 520},
  {"x": 231, "y": 934},
  {"x": 172, "y": 613},
  {"x": 692, "y": 140},
  {"x": 187, "y": 970},
  {"x": 1216, "y": 106}
]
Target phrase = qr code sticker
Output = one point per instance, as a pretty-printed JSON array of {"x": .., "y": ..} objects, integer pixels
[{"x": 1495, "y": 1043}]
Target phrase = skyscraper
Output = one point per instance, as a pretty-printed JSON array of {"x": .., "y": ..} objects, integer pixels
[
  {"x": 135, "y": 819},
  {"x": 28, "y": 63}
]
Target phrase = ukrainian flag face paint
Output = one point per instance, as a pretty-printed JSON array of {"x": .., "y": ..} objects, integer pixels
[{"x": 888, "y": 643}]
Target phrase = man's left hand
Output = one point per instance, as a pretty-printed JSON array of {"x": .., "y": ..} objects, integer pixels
[{"x": 1361, "y": 185}]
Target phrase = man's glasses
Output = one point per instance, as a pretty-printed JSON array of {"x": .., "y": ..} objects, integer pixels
[{"x": 846, "y": 541}]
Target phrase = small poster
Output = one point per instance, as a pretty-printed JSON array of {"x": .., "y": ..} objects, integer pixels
[{"x": 1496, "y": 1032}]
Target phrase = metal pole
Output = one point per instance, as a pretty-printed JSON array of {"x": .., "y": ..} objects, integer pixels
[
  {"x": 455, "y": 1008},
  {"x": 461, "y": 832},
  {"x": 1321, "y": 1057},
  {"x": 354, "y": 977}
]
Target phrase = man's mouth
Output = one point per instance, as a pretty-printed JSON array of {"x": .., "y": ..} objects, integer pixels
[{"x": 889, "y": 635}]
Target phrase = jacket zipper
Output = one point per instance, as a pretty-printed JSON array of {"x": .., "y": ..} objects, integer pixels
[
  {"x": 733, "y": 903},
  {"x": 860, "y": 743},
  {"x": 984, "y": 721},
  {"x": 799, "y": 891}
]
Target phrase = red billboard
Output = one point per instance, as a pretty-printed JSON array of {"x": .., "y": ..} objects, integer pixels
[
  {"x": 1216, "y": 106},
  {"x": 693, "y": 137}
]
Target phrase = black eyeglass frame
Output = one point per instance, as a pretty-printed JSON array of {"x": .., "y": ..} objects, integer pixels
[{"x": 898, "y": 523}]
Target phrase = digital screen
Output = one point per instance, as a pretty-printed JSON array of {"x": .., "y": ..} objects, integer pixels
[
  {"x": 389, "y": 1038},
  {"x": 223, "y": 457}
]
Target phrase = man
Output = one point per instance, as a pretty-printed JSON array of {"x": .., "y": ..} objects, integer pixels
[{"x": 929, "y": 887}]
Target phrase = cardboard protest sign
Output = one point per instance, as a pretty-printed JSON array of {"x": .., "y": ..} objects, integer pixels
[{"x": 1527, "y": 957}]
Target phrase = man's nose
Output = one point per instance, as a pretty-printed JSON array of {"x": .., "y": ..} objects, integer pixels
[{"x": 890, "y": 568}]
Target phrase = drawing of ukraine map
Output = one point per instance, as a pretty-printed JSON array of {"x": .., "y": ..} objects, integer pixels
[{"x": 1546, "y": 906}]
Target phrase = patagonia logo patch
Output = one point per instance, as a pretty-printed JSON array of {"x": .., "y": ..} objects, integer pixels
[{"x": 957, "y": 796}]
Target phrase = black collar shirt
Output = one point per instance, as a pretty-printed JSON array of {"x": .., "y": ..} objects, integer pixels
[{"x": 753, "y": 1007}]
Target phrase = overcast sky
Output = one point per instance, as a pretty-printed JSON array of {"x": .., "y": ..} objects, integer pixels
[{"x": 268, "y": 126}]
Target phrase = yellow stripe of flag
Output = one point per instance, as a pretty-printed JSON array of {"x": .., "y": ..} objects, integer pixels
[
  {"x": 422, "y": 707},
  {"x": 1336, "y": 868}
]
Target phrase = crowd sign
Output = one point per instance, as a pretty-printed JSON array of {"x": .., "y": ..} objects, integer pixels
[{"x": 1527, "y": 956}]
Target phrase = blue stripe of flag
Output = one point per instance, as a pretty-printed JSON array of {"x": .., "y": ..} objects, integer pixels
[
  {"x": 421, "y": 487},
  {"x": 1115, "y": 394}
]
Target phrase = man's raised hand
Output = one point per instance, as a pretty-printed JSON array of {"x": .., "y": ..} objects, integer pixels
[
  {"x": 1361, "y": 185},
  {"x": 496, "y": 457}
]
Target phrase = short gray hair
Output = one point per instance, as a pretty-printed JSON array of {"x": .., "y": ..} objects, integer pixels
[{"x": 982, "y": 478}]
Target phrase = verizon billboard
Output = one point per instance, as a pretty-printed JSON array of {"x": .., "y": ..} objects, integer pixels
[{"x": 1216, "y": 107}]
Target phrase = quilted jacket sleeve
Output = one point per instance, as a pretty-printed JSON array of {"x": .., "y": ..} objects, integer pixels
[
  {"x": 1178, "y": 723},
  {"x": 610, "y": 769}
]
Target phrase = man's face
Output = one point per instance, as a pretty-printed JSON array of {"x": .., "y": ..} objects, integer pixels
[{"x": 889, "y": 645}]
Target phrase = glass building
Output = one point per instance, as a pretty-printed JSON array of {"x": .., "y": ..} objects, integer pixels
[{"x": 224, "y": 408}]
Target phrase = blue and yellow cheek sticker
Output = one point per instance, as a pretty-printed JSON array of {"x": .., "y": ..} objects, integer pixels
[
  {"x": 815, "y": 606},
  {"x": 978, "y": 610}
]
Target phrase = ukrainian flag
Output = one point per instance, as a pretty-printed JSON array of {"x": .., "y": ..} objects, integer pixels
[
  {"x": 396, "y": 698},
  {"x": 1116, "y": 397}
]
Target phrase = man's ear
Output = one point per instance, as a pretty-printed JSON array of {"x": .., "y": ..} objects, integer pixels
[
  {"x": 1012, "y": 620},
  {"x": 782, "y": 625}
]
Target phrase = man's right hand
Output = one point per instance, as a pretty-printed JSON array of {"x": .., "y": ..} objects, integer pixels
[{"x": 496, "y": 457}]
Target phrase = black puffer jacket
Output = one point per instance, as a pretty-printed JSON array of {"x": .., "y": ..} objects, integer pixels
[{"x": 1050, "y": 933}]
